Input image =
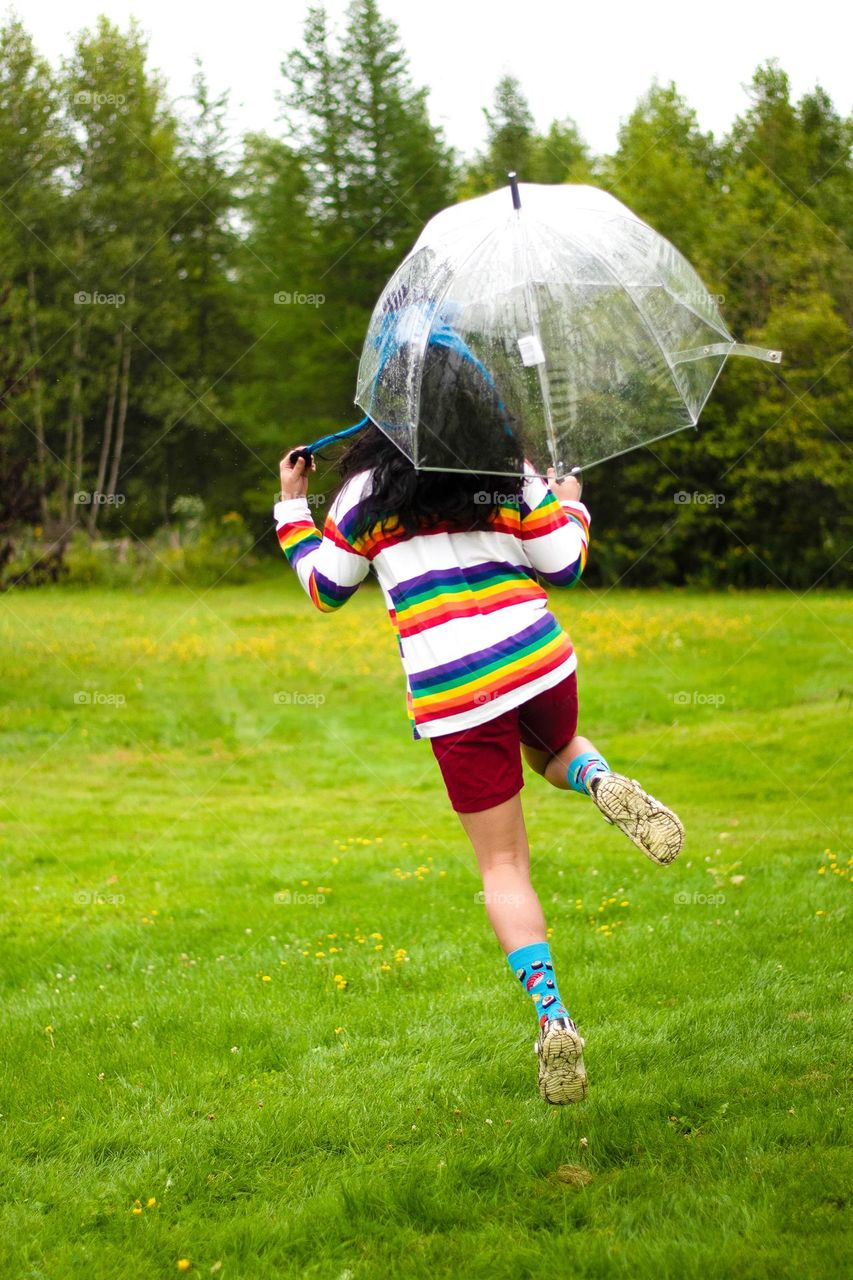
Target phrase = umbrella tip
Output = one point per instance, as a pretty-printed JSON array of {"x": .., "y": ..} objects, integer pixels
[{"x": 513, "y": 183}]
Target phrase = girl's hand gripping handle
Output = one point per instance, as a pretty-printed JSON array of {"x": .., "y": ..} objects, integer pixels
[{"x": 293, "y": 470}]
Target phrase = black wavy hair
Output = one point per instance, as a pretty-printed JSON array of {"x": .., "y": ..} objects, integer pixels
[{"x": 461, "y": 416}]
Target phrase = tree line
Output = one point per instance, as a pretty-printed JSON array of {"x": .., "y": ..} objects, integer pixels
[{"x": 177, "y": 305}]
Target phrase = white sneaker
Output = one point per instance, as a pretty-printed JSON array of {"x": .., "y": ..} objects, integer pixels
[
  {"x": 562, "y": 1075},
  {"x": 645, "y": 821}
]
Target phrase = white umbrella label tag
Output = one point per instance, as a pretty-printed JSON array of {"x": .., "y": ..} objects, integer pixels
[{"x": 531, "y": 350}]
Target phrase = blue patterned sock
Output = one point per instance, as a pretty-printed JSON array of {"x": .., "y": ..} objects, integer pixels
[
  {"x": 533, "y": 967},
  {"x": 584, "y": 769}
]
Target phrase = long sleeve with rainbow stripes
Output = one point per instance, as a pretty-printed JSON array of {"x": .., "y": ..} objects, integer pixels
[
  {"x": 555, "y": 534},
  {"x": 329, "y": 568}
]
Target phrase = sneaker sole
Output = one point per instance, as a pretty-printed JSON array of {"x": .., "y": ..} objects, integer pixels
[
  {"x": 562, "y": 1075},
  {"x": 645, "y": 821}
]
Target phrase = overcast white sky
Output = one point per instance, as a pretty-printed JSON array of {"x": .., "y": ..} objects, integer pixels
[{"x": 590, "y": 62}]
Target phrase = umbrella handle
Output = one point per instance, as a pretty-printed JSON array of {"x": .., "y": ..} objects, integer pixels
[{"x": 308, "y": 451}]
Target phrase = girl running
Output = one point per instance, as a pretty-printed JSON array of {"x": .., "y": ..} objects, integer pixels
[{"x": 490, "y": 673}]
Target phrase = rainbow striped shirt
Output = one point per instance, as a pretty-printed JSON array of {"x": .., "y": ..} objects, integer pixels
[{"x": 473, "y": 626}]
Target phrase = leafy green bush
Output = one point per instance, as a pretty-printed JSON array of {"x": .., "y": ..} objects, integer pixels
[{"x": 194, "y": 551}]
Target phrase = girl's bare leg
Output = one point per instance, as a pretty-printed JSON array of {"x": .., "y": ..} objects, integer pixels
[
  {"x": 647, "y": 823},
  {"x": 500, "y": 843},
  {"x": 499, "y": 839},
  {"x": 555, "y": 768}
]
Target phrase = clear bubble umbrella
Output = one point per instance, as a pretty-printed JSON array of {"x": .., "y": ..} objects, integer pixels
[{"x": 586, "y": 331}]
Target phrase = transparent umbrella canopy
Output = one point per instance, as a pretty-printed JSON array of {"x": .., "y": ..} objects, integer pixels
[{"x": 587, "y": 331}]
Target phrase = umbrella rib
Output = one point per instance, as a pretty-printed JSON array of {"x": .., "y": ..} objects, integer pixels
[
  {"x": 710, "y": 389},
  {"x": 451, "y": 276},
  {"x": 540, "y": 368},
  {"x": 724, "y": 332},
  {"x": 642, "y": 444},
  {"x": 589, "y": 249}
]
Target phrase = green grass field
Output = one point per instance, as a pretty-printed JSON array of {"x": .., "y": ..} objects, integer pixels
[{"x": 255, "y": 1021}]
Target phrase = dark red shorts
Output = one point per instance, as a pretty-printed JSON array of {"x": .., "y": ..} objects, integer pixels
[{"x": 481, "y": 767}]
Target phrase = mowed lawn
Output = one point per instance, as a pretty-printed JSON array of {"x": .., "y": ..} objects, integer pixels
[{"x": 255, "y": 1023}]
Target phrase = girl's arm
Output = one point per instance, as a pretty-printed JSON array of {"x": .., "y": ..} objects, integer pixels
[
  {"x": 555, "y": 533},
  {"x": 328, "y": 566}
]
